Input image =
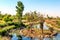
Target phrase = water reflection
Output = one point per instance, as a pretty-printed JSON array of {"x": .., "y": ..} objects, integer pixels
[
  {"x": 46, "y": 38},
  {"x": 29, "y": 38},
  {"x": 58, "y": 37},
  {"x": 45, "y": 27},
  {"x": 36, "y": 38},
  {"x": 38, "y": 26},
  {"x": 26, "y": 38},
  {"x": 14, "y": 37}
]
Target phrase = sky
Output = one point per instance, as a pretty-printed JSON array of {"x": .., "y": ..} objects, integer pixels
[{"x": 50, "y": 7}]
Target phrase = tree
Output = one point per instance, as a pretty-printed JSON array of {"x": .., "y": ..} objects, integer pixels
[
  {"x": 1, "y": 16},
  {"x": 51, "y": 29},
  {"x": 31, "y": 16},
  {"x": 41, "y": 22},
  {"x": 48, "y": 16},
  {"x": 35, "y": 16},
  {"x": 27, "y": 16},
  {"x": 20, "y": 8}
]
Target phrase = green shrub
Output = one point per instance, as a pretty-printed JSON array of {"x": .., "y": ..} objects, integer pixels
[
  {"x": 2, "y": 23},
  {"x": 10, "y": 23},
  {"x": 58, "y": 23},
  {"x": 7, "y": 28},
  {"x": 16, "y": 24}
]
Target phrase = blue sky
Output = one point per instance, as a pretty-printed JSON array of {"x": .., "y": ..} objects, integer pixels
[{"x": 50, "y": 7}]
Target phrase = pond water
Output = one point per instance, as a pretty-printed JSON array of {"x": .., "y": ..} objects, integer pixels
[
  {"x": 29, "y": 38},
  {"x": 38, "y": 26},
  {"x": 14, "y": 36}
]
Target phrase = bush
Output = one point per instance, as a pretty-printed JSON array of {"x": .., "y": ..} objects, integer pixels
[
  {"x": 10, "y": 23},
  {"x": 2, "y": 23},
  {"x": 3, "y": 33},
  {"x": 16, "y": 24},
  {"x": 58, "y": 23},
  {"x": 5, "y": 29}
]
